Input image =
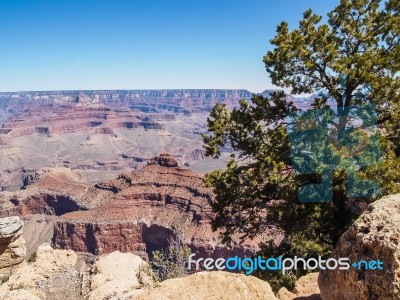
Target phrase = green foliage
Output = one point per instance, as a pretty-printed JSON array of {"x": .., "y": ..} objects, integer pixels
[
  {"x": 353, "y": 59},
  {"x": 170, "y": 263},
  {"x": 146, "y": 277},
  {"x": 275, "y": 278}
]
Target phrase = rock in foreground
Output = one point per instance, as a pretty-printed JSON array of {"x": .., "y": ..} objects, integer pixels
[
  {"x": 374, "y": 235},
  {"x": 51, "y": 275},
  {"x": 211, "y": 285},
  {"x": 118, "y": 276},
  {"x": 12, "y": 245},
  {"x": 306, "y": 288}
]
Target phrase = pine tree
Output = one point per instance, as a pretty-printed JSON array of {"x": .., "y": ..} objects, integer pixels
[{"x": 353, "y": 59}]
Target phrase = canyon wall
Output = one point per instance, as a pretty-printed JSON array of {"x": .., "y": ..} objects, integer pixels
[{"x": 136, "y": 212}]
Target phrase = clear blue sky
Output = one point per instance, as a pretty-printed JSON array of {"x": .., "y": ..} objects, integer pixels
[{"x": 141, "y": 44}]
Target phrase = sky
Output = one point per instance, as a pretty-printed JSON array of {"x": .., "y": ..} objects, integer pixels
[{"x": 141, "y": 44}]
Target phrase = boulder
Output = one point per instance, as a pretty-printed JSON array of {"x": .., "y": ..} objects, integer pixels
[
  {"x": 12, "y": 245},
  {"x": 164, "y": 160},
  {"x": 12, "y": 253},
  {"x": 120, "y": 289},
  {"x": 284, "y": 294},
  {"x": 118, "y": 275},
  {"x": 49, "y": 260},
  {"x": 10, "y": 229},
  {"x": 374, "y": 235},
  {"x": 210, "y": 285},
  {"x": 306, "y": 288}
]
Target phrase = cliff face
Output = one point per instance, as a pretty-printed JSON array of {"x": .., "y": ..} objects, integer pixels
[
  {"x": 49, "y": 113},
  {"x": 48, "y": 194},
  {"x": 51, "y": 192},
  {"x": 375, "y": 235},
  {"x": 137, "y": 212},
  {"x": 190, "y": 100},
  {"x": 149, "y": 208}
]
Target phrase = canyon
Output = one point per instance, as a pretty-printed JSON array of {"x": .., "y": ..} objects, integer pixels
[
  {"x": 140, "y": 212},
  {"x": 103, "y": 171},
  {"x": 112, "y": 131},
  {"x": 101, "y": 180},
  {"x": 64, "y": 274}
]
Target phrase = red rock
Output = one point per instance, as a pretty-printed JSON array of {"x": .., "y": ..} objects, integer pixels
[
  {"x": 148, "y": 208},
  {"x": 136, "y": 212}
]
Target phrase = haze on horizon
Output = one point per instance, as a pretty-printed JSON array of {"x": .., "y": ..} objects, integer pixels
[{"x": 174, "y": 44}]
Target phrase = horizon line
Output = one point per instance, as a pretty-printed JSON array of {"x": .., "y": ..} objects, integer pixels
[{"x": 142, "y": 89}]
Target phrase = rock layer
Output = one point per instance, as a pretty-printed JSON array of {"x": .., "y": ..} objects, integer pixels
[
  {"x": 148, "y": 208},
  {"x": 53, "y": 191},
  {"x": 374, "y": 235}
]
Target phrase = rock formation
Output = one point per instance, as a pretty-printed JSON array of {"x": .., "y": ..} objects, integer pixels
[
  {"x": 148, "y": 208},
  {"x": 144, "y": 100},
  {"x": 165, "y": 160},
  {"x": 211, "y": 285},
  {"x": 374, "y": 235},
  {"x": 12, "y": 245},
  {"x": 307, "y": 287},
  {"x": 103, "y": 130},
  {"x": 284, "y": 294},
  {"x": 118, "y": 276},
  {"x": 51, "y": 274},
  {"x": 137, "y": 212},
  {"x": 47, "y": 194},
  {"x": 52, "y": 191}
]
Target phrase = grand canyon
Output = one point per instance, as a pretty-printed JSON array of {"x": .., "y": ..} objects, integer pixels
[
  {"x": 111, "y": 170},
  {"x": 97, "y": 131},
  {"x": 200, "y": 150},
  {"x": 96, "y": 172},
  {"x": 112, "y": 131},
  {"x": 94, "y": 183}
]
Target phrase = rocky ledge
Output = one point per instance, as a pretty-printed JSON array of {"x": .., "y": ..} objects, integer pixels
[{"x": 124, "y": 276}]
